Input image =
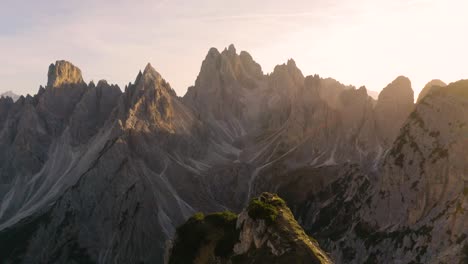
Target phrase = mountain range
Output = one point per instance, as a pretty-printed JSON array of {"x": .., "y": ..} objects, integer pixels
[
  {"x": 91, "y": 174},
  {"x": 10, "y": 94}
]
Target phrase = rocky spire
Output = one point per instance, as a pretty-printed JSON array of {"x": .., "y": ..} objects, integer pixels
[
  {"x": 399, "y": 90},
  {"x": 151, "y": 73},
  {"x": 63, "y": 72},
  {"x": 287, "y": 76},
  {"x": 232, "y": 49}
]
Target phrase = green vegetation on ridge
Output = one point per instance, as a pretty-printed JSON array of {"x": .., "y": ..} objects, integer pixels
[
  {"x": 201, "y": 230},
  {"x": 259, "y": 209}
]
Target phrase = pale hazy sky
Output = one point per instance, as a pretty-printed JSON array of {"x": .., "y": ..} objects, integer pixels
[{"x": 358, "y": 42}]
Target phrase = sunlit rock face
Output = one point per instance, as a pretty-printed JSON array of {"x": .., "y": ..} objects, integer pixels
[
  {"x": 62, "y": 73},
  {"x": 91, "y": 173}
]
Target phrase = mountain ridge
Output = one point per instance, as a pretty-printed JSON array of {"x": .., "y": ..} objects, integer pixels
[{"x": 89, "y": 166}]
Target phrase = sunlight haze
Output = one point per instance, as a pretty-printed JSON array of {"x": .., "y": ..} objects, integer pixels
[{"x": 359, "y": 42}]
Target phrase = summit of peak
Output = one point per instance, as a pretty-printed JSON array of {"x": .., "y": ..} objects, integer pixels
[
  {"x": 232, "y": 49},
  {"x": 291, "y": 63},
  {"x": 149, "y": 71},
  {"x": 398, "y": 88},
  {"x": 213, "y": 52},
  {"x": 402, "y": 79},
  {"x": 148, "y": 68},
  {"x": 63, "y": 72},
  {"x": 290, "y": 66}
]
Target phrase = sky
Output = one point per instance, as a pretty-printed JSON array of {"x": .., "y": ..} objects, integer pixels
[{"x": 357, "y": 42}]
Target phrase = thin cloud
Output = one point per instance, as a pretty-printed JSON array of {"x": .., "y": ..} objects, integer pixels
[{"x": 260, "y": 16}]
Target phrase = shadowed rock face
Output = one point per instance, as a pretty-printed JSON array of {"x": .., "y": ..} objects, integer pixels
[
  {"x": 88, "y": 173},
  {"x": 395, "y": 103},
  {"x": 426, "y": 166},
  {"x": 38, "y": 134},
  {"x": 93, "y": 110},
  {"x": 223, "y": 87}
]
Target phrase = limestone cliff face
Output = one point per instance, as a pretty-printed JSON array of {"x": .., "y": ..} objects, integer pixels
[
  {"x": 424, "y": 178},
  {"x": 415, "y": 204},
  {"x": 426, "y": 165},
  {"x": 265, "y": 232}
]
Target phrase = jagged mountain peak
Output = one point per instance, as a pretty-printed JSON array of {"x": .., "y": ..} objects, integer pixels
[
  {"x": 230, "y": 61},
  {"x": 150, "y": 72},
  {"x": 287, "y": 75},
  {"x": 63, "y": 72},
  {"x": 363, "y": 90},
  {"x": 289, "y": 66},
  {"x": 102, "y": 83},
  {"x": 212, "y": 52},
  {"x": 149, "y": 98},
  {"x": 398, "y": 89},
  {"x": 231, "y": 50},
  {"x": 151, "y": 79},
  {"x": 224, "y": 79},
  {"x": 291, "y": 63}
]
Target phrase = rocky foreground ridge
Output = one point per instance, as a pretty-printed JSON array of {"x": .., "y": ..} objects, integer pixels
[
  {"x": 264, "y": 232},
  {"x": 91, "y": 174}
]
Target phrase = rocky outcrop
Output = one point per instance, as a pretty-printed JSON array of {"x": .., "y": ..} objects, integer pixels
[
  {"x": 428, "y": 88},
  {"x": 62, "y": 73},
  {"x": 265, "y": 232}
]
